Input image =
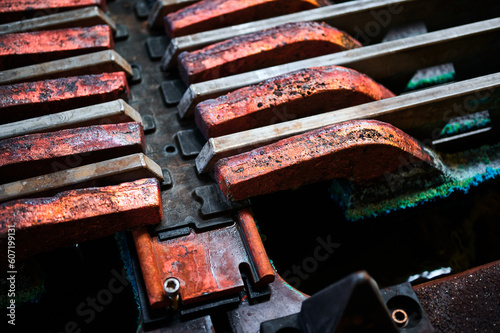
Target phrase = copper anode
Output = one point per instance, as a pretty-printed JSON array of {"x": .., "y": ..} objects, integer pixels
[
  {"x": 261, "y": 49},
  {"x": 42, "y": 153},
  {"x": 286, "y": 97},
  {"x": 356, "y": 150},
  {"x": 26, "y": 48},
  {"x": 32, "y": 99},
  {"x": 43, "y": 224}
]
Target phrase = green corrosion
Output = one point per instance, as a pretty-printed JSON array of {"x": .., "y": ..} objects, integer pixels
[
  {"x": 430, "y": 81},
  {"x": 465, "y": 170},
  {"x": 467, "y": 123}
]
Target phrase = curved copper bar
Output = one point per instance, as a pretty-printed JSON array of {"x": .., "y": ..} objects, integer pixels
[
  {"x": 74, "y": 216},
  {"x": 286, "y": 97},
  {"x": 212, "y": 14},
  {"x": 265, "y": 48},
  {"x": 356, "y": 150}
]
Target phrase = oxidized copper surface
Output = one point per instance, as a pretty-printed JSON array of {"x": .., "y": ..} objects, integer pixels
[
  {"x": 206, "y": 264},
  {"x": 11, "y": 10},
  {"x": 36, "y": 154},
  {"x": 356, "y": 150},
  {"x": 75, "y": 216},
  {"x": 33, "y": 99},
  {"x": 286, "y": 97},
  {"x": 212, "y": 14},
  {"x": 22, "y": 49},
  {"x": 265, "y": 48},
  {"x": 255, "y": 247}
]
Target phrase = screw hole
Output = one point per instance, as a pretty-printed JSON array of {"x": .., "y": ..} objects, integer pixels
[{"x": 170, "y": 149}]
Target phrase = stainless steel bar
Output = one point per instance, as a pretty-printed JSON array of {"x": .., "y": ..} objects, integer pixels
[
  {"x": 105, "y": 113},
  {"x": 93, "y": 63},
  {"x": 117, "y": 170},
  {"x": 84, "y": 17}
]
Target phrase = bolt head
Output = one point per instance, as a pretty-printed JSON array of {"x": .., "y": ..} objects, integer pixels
[{"x": 171, "y": 286}]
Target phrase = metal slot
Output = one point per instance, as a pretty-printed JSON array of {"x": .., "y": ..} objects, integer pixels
[
  {"x": 162, "y": 8},
  {"x": 118, "y": 170},
  {"x": 417, "y": 113},
  {"x": 93, "y": 63},
  {"x": 381, "y": 61},
  {"x": 105, "y": 113}
]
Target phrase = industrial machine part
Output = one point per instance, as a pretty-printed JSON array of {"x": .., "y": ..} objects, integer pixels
[{"x": 415, "y": 178}]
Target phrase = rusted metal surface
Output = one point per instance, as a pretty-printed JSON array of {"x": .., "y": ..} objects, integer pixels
[
  {"x": 86, "y": 64},
  {"x": 465, "y": 302},
  {"x": 71, "y": 217},
  {"x": 286, "y": 97},
  {"x": 32, "y": 99},
  {"x": 262, "y": 49},
  {"x": 212, "y": 14},
  {"x": 113, "y": 171},
  {"x": 206, "y": 264},
  {"x": 22, "y": 49},
  {"x": 340, "y": 15},
  {"x": 113, "y": 112},
  {"x": 11, "y": 10},
  {"x": 405, "y": 56},
  {"x": 348, "y": 16},
  {"x": 421, "y": 111},
  {"x": 84, "y": 17},
  {"x": 162, "y": 8},
  {"x": 338, "y": 151},
  {"x": 37, "y": 154}
]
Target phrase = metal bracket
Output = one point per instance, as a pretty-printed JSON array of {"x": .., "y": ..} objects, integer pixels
[
  {"x": 172, "y": 91},
  {"x": 190, "y": 142},
  {"x": 156, "y": 46},
  {"x": 355, "y": 304}
]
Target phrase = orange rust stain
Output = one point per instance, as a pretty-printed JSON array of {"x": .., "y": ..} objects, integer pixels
[{"x": 298, "y": 94}]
